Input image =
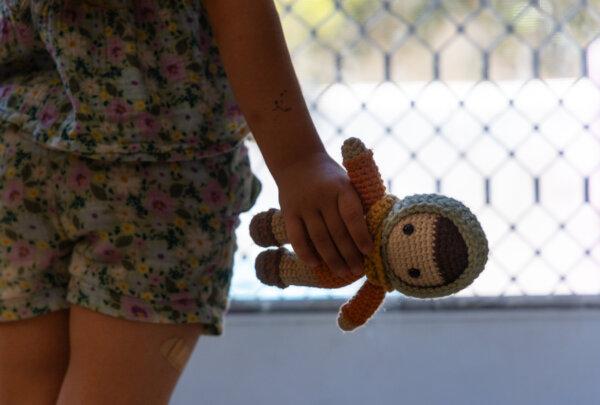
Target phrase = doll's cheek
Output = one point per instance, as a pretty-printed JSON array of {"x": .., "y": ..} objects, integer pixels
[
  {"x": 421, "y": 274},
  {"x": 425, "y": 280}
]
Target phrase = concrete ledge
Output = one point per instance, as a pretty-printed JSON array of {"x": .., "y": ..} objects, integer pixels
[
  {"x": 456, "y": 357},
  {"x": 395, "y": 303}
]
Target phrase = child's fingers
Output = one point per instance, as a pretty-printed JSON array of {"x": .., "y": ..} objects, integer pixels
[
  {"x": 299, "y": 240},
  {"x": 351, "y": 210},
  {"x": 343, "y": 240},
  {"x": 321, "y": 239}
]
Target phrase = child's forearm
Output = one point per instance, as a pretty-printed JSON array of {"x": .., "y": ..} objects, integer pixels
[{"x": 258, "y": 65}]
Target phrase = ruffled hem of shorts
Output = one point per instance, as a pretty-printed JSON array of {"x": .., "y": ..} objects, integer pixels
[
  {"x": 110, "y": 303},
  {"x": 40, "y": 303}
]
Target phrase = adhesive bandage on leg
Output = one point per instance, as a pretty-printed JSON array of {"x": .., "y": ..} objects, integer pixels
[{"x": 176, "y": 351}]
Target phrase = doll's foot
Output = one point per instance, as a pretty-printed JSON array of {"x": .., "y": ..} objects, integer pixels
[
  {"x": 261, "y": 230},
  {"x": 267, "y": 267}
]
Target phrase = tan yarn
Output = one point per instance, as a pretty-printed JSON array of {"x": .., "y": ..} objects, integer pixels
[
  {"x": 417, "y": 252},
  {"x": 278, "y": 228}
]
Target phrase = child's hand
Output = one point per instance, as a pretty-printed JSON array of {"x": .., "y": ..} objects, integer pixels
[{"x": 320, "y": 205}]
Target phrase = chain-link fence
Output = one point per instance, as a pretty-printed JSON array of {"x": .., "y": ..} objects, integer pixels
[{"x": 495, "y": 103}]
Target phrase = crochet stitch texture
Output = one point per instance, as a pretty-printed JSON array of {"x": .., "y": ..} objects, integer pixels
[{"x": 426, "y": 245}]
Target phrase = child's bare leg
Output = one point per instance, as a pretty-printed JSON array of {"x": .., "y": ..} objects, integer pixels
[
  {"x": 34, "y": 354},
  {"x": 116, "y": 361}
]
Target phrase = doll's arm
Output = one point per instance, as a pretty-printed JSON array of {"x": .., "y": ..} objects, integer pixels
[
  {"x": 363, "y": 171},
  {"x": 281, "y": 268},
  {"x": 361, "y": 307}
]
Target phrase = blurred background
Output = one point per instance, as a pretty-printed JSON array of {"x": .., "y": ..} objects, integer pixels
[{"x": 495, "y": 103}]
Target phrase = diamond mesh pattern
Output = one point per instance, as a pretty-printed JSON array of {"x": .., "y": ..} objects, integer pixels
[{"x": 492, "y": 102}]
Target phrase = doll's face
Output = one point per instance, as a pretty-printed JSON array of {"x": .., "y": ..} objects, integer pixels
[{"x": 426, "y": 250}]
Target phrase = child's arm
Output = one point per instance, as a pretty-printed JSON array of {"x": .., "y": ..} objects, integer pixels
[{"x": 315, "y": 194}]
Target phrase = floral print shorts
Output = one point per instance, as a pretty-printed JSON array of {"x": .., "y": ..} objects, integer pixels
[{"x": 144, "y": 241}]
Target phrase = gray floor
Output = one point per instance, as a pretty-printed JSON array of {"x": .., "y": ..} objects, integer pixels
[{"x": 492, "y": 356}]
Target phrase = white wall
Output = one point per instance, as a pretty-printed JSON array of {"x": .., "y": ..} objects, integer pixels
[{"x": 525, "y": 356}]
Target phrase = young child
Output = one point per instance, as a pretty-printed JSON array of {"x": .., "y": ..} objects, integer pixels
[{"x": 123, "y": 172}]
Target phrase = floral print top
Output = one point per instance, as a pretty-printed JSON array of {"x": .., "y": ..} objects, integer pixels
[{"x": 119, "y": 80}]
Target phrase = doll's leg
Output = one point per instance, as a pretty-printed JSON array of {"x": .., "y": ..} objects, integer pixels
[
  {"x": 281, "y": 268},
  {"x": 267, "y": 228}
]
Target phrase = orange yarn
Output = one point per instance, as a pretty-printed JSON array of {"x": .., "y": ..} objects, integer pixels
[
  {"x": 361, "y": 307},
  {"x": 329, "y": 280},
  {"x": 365, "y": 177},
  {"x": 282, "y": 268}
]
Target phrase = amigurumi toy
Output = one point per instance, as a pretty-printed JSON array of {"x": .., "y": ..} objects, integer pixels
[{"x": 426, "y": 245}]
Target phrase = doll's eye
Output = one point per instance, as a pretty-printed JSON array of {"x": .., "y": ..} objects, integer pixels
[
  {"x": 414, "y": 273},
  {"x": 408, "y": 229}
]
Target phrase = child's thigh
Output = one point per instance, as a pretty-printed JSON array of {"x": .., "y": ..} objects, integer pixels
[
  {"x": 118, "y": 361},
  {"x": 34, "y": 349}
]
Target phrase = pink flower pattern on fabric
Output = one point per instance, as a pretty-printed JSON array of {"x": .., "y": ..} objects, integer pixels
[
  {"x": 117, "y": 83},
  {"x": 148, "y": 242}
]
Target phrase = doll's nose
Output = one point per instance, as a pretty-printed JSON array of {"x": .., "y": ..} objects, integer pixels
[{"x": 450, "y": 250}]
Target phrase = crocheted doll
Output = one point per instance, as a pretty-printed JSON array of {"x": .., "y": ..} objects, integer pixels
[{"x": 426, "y": 245}]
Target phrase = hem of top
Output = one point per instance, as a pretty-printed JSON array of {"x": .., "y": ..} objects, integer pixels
[
  {"x": 99, "y": 299},
  {"x": 181, "y": 152}
]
